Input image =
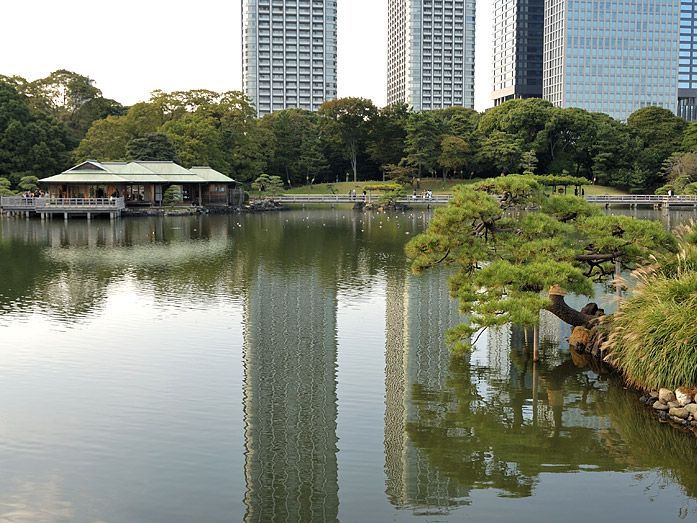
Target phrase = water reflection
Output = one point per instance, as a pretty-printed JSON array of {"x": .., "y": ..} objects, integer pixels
[
  {"x": 483, "y": 429},
  {"x": 290, "y": 398},
  {"x": 453, "y": 427}
]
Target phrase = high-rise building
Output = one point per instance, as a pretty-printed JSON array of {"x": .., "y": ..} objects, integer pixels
[
  {"x": 611, "y": 56},
  {"x": 687, "y": 69},
  {"x": 517, "y": 52},
  {"x": 288, "y": 53},
  {"x": 430, "y": 55}
]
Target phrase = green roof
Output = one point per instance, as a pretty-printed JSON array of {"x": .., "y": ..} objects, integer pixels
[{"x": 92, "y": 171}]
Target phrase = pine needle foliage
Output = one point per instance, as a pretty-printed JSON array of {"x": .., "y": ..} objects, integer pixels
[{"x": 510, "y": 244}]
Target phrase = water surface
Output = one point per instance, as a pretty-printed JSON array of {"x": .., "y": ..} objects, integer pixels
[{"x": 288, "y": 367}]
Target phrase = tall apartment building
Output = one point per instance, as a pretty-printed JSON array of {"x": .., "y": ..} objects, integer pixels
[
  {"x": 687, "y": 68},
  {"x": 430, "y": 55},
  {"x": 288, "y": 53},
  {"x": 517, "y": 52},
  {"x": 614, "y": 56}
]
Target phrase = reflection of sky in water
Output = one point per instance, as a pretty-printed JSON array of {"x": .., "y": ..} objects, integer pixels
[{"x": 134, "y": 389}]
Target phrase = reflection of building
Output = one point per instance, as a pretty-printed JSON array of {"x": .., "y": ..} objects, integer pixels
[
  {"x": 290, "y": 398},
  {"x": 288, "y": 53},
  {"x": 419, "y": 312},
  {"x": 430, "y": 55}
]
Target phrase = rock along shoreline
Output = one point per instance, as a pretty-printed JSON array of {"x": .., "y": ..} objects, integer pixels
[{"x": 674, "y": 407}]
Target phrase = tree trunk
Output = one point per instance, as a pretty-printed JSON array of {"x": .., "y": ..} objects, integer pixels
[
  {"x": 354, "y": 162},
  {"x": 568, "y": 314}
]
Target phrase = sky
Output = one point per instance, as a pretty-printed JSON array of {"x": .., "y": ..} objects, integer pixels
[{"x": 132, "y": 47}]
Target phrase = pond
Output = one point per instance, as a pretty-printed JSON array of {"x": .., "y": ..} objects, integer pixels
[{"x": 287, "y": 367}]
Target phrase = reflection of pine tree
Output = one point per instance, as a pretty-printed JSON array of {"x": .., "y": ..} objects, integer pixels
[{"x": 489, "y": 439}]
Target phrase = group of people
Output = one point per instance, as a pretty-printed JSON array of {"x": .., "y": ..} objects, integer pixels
[
  {"x": 426, "y": 194},
  {"x": 34, "y": 194},
  {"x": 352, "y": 194}
]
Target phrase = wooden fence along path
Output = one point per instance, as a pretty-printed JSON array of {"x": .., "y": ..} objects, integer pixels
[
  {"x": 442, "y": 199},
  {"x": 335, "y": 199}
]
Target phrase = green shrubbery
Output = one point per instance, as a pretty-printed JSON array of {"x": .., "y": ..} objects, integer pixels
[{"x": 653, "y": 340}]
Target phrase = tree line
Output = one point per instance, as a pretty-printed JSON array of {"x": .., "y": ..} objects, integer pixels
[{"x": 49, "y": 124}]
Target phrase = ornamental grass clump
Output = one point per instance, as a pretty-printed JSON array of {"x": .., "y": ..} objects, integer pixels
[{"x": 653, "y": 339}]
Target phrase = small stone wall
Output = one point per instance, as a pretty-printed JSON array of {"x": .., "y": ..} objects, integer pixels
[{"x": 677, "y": 407}]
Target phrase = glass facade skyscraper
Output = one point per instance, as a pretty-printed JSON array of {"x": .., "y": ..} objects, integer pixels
[
  {"x": 518, "y": 46},
  {"x": 288, "y": 53},
  {"x": 687, "y": 70},
  {"x": 430, "y": 55},
  {"x": 611, "y": 56}
]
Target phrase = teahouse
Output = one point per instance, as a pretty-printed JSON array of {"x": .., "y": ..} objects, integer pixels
[{"x": 142, "y": 183}]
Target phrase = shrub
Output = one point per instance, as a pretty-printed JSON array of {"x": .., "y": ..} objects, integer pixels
[
  {"x": 653, "y": 338},
  {"x": 173, "y": 194}
]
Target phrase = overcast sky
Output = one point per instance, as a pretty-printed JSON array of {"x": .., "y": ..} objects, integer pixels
[{"x": 133, "y": 47}]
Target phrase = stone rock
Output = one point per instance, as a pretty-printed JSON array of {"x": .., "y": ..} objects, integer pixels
[
  {"x": 683, "y": 396},
  {"x": 645, "y": 398},
  {"x": 579, "y": 338},
  {"x": 662, "y": 415},
  {"x": 681, "y": 413},
  {"x": 666, "y": 395},
  {"x": 674, "y": 404},
  {"x": 651, "y": 401},
  {"x": 692, "y": 408},
  {"x": 654, "y": 394},
  {"x": 659, "y": 405}
]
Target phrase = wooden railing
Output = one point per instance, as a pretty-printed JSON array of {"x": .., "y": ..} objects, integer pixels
[
  {"x": 87, "y": 204},
  {"x": 50, "y": 204},
  {"x": 643, "y": 199}
]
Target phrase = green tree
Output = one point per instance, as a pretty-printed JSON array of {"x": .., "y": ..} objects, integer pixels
[
  {"x": 152, "y": 147},
  {"x": 346, "y": 122},
  {"x": 401, "y": 174},
  {"x": 297, "y": 153},
  {"x": 508, "y": 268},
  {"x": 5, "y": 187},
  {"x": 30, "y": 142},
  {"x": 91, "y": 111},
  {"x": 60, "y": 94},
  {"x": 28, "y": 183},
  {"x": 454, "y": 153},
  {"x": 569, "y": 135},
  {"x": 197, "y": 141},
  {"x": 173, "y": 194},
  {"x": 689, "y": 140},
  {"x": 106, "y": 140},
  {"x": 528, "y": 162},
  {"x": 387, "y": 135},
  {"x": 659, "y": 129},
  {"x": 273, "y": 185},
  {"x": 501, "y": 150},
  {"x": 662, "y": 134},
  {"x": 421, "y": 146}
]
